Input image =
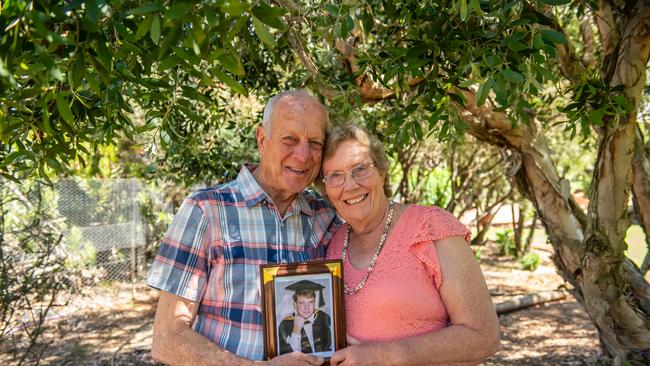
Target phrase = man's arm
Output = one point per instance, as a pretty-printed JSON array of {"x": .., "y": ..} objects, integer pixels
[
  {"x": 474, "y": 331},
  {"x": 176, "y": 343}
]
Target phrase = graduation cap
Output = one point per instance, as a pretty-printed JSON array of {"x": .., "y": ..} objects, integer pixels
[{"x": 306, "y": 285}]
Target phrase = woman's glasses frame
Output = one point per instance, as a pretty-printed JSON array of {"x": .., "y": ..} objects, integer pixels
[{"x": 358, "y": 173}]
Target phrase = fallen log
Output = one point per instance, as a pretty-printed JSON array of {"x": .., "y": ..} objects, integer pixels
[{"x": 524, "y": 301}]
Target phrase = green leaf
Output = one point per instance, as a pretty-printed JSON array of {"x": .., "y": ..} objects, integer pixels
[
  {"x": 416, "y": 129},
  {"x": 483, "y": 91},
  {"x": 64, "y": 109},
  {"x": 54, "y": 164},
  {"x": 269, "y": 15},
  {"x": 512, "y": 76},
  {"x": 476, "y": 5},
  {"x": 553, "y": 36},
  {"x": 538, "y": 42},
  {"x": 235, "y": 8},
  {"x": 124, "y": 32},
  {"x": 493, "y": 60},
  {"x": 17, "y": 156},
  {"x": 94, "y": 83},
  {"x": 155, "y": 29},
  {"x": 464, "y": 13},
  {"x": 169, "y": 62},
  {"x": 596, "y": 116},
  {"x": 458, "y": 98},
  {"x": 92, "y": 11},
  {"x": 232, "y": 65},
  {"x": 467, "y": 83},
  {"x": 144, "y": 9},
  {"x": 214, "y": 55},
  {"x": 349, "y": 23},
  {"x": 177, "y": 10},
  {"x": 232, "y": 83},
  {"x": 212, "y": 17},
  {"x": 263, "y": 33},
  {"x": 499, "y": 88},
  {"x": 621, "y": 101},
  {"x": 144, "y": 27},
  {"x": 517, "y": 46},
  {"x": 77, "y": 71},
  {"x": 555, "y": 2}
]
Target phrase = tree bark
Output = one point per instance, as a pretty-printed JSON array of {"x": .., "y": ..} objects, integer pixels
[
  {"x": 624, "y": 324},
  {"x": 641, "y": 192}
]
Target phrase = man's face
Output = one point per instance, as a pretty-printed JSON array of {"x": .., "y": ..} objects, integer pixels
[
  {"x": 305, "y": 305},
  {"x": 292, "y": 150}
]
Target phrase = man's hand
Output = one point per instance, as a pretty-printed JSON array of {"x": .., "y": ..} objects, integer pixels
[
  {"x": 298, "y": 322},
  {"x": 297, "y": 359}
]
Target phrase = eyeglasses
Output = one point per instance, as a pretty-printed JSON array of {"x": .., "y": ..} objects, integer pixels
[{"x": 358, "y": 173}]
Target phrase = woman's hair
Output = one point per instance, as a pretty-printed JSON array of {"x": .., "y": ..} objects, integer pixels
[{"x": 351, "y": 131}]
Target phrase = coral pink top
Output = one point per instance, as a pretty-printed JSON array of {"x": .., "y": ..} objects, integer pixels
[{"x": 400, "y": 298}]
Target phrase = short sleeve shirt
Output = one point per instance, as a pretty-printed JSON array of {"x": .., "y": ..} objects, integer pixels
[
  {"x": 213, "y": 248},
  {"x": 409, "y": 256}
]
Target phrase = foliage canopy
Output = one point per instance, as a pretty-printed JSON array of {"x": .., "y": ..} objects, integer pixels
[{"x": 81, "y": 74}]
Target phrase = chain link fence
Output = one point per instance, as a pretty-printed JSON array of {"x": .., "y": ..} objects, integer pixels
[{"x": 105, "y": 228}]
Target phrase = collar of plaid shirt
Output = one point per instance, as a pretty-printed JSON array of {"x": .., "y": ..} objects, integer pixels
[{"x": 254, "y": 194}]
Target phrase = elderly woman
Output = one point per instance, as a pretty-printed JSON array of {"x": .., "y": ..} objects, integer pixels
[{"x": 413, "y": 292}]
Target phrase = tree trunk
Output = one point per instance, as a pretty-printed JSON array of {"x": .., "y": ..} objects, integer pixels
[
  {"x": 641, "y": 192},
  {"x": 590, "y": 250},
  {"x": 483, "y": 224},
  {"x": 531, "y": 234}
]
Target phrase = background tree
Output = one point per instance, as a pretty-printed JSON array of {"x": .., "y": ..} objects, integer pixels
[{"x": 413, "y": 54}]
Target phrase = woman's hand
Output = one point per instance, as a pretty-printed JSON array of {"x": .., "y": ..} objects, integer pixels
[
  {"x": 295, "y": 359},
  {"x": 359, "y": 354},
  {"x": 352, "y": 341}
]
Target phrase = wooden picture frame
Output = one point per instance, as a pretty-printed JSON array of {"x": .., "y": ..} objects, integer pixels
[{"x": 279, "y": 298}]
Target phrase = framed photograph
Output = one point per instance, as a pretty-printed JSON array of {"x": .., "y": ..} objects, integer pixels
[{"x": 303, "y": 308}]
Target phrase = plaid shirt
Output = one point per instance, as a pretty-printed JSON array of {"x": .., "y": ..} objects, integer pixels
[{"x": 213, "y": 248}]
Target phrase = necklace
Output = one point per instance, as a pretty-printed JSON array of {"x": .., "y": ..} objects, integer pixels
[{"x": 352, "y": 291}]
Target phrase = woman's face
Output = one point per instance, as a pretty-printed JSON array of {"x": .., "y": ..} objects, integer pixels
[{"x": 361, "y": 202}]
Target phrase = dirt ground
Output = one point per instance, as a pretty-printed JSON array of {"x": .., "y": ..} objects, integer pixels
[{"x": 109, "y": 327}]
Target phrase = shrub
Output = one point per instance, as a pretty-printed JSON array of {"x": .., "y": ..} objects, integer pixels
[
  {"x": 506, "y": 242},
  {"x": 530, "y": 261},
  {"x": 33, "y": 272},
  {"x": 478, "y": 253}
]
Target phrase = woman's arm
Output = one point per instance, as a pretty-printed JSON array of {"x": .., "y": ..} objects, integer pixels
[{"x": 472, "y": 336}]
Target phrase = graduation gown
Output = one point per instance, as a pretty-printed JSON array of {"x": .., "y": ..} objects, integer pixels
[{"x": 322, "y": 334}]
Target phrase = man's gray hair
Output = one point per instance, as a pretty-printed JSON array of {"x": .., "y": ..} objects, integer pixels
[{"x": 270, "y": 106}]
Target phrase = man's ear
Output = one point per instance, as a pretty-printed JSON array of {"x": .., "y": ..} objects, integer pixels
[{"x": 260, "y": 136}]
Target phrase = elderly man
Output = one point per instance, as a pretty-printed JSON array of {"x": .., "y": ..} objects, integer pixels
[{"x": 207, "y": 266}]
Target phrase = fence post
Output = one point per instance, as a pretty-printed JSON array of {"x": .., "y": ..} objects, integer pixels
[{"x": 134, "y": 209}]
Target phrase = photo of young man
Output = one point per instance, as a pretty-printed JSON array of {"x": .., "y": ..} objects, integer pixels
[{"x": 307, "y": 329}]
